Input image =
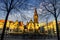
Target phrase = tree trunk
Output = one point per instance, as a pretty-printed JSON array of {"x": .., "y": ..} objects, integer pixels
[
  {"x": 4, "y": 27},
  {"x": 57, "y": 28}
]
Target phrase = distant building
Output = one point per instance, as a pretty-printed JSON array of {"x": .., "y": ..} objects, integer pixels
[
  {"x": 33, "y": 25},
  {"x": 21, "y": 26}
]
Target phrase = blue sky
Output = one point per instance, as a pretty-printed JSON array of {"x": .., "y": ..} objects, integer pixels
[{"x": 27, "y": 14}]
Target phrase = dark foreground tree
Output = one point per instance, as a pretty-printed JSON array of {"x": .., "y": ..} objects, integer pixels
[
  {"x": 10, "y": 5},
  {"x": 52, "y": 6}
]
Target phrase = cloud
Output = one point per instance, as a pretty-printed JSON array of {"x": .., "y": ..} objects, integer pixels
[{"x": 25, "y": 16}]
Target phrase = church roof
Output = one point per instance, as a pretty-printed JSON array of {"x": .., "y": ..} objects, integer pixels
[{"x": 35, "y": 12}]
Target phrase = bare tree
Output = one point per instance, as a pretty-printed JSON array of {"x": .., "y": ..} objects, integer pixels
[
  {"x": 9, "y": 5},
  {"x": 54, "y": 10}
]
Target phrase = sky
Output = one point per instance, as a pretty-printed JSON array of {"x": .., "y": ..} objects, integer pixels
[{"x": 27, "y": 14}]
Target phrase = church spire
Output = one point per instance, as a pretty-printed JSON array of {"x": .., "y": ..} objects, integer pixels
[
  {"x": 35, "y": 11},
  {"x": 35, "y": 16}
]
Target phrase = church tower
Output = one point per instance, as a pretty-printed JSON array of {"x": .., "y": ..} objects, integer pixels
[{"x": 35, "y": 16}]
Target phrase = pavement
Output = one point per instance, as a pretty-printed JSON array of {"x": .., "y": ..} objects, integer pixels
[{"x": 15, "y": 37}]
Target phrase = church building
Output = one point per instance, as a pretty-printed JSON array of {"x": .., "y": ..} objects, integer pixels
[{"x": 33, "y": 25}]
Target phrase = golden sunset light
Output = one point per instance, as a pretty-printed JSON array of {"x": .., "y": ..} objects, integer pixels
[{"x": 33, "y": 25}]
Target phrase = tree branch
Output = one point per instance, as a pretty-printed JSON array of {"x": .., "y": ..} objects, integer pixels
[
  {"x": 10, "y": 6},
  {"x": 6, "y": 4},
  {"x": 48, "y": 10},
  {"x": 2, "y": 9},
  {"x": 18, "y": 3}
]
